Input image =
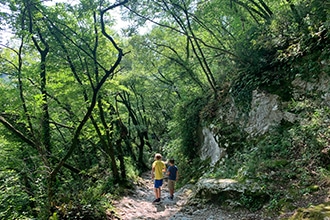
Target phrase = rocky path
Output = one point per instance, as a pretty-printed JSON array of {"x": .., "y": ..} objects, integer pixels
[{"x": 138, "y": 205}]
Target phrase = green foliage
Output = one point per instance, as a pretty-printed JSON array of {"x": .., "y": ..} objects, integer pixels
[
  {"x": 232, "y": 138},
  {"x": 185, "y": 143},
  {"x": 20, "y": 197},
  {"x": 188, "y": 125},
  {"x": 291, "y": 160},
  {"x": 314, "y": 212},
  {"x": 91, "y": 199},
  {"x": 131, "y": 169},
  {"x": 56, "y": 136},
  {"x": 253, "y": 201},
  {"x": 15, "y": 203},
  {"x": 270, "y": 54},
  {"x": 87, "y": 200},
  {"x": 292, "y": 153},
  {"x": 196, "y": 46}
]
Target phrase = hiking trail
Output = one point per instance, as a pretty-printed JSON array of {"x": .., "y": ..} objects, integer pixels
[{"x": 137, "y": 204}]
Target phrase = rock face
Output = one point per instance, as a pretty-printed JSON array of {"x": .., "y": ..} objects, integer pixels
[
  {"x": 267, "y": 111},
  {"x": 210, "y": 148},
  {"x": 321, "y": 86}
]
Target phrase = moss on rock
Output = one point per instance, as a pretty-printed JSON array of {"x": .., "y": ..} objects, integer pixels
[{"x": 319, "y": 212}]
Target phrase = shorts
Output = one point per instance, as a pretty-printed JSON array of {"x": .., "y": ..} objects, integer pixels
[
  {"x": 158, "y": 183},
  {"x": 171, "y": 184}
]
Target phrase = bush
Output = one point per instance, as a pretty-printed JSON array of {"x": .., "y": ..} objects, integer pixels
[
  {"x": 14, "y": 201},
  {"x": 188, "y": 126}
]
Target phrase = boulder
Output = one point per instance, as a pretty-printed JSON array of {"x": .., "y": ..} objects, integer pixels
[{"x": 231, "y": 192}]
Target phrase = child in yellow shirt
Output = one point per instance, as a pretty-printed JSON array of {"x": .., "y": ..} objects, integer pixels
[{"x": 158, "y": 167}]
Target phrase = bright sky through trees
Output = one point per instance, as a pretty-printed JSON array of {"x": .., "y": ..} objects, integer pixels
[{"x": 119, "y": 25}]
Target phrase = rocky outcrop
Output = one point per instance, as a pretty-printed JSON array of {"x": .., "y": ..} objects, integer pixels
[
  {"x": 267, "y": 111},
  {"x": 210, "y": 148},
  {"x": 229, "y": 191},
  {"x": 320, "y": 85}
]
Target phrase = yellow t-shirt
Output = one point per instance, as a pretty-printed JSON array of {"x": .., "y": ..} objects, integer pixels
[{"x": 159, "y": 166}]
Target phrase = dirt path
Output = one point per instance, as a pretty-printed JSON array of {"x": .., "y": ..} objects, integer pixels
[{"x": 138, "y": 205}]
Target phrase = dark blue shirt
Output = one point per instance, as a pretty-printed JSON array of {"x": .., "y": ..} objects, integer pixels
[{"x": 172, "y": 170}]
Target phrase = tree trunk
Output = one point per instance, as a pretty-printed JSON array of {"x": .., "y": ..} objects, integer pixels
[{"x": 121, "y": 160}]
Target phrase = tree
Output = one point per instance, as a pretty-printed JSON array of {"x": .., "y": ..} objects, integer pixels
[{"x": 56, "y": 120}]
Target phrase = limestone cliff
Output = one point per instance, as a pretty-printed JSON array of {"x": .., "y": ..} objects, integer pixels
[{"x": 267, "y": 111}]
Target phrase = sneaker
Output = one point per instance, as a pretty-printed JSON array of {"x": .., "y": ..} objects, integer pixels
[
  {"x": 156, "y": 201},
  {"x": 170, "y": 197}
]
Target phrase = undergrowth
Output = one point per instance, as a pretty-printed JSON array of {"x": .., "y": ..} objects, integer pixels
[{"x": 290, "y": 161}]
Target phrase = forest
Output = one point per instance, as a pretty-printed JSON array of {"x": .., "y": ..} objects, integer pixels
[{"x": 92, "y": 89}]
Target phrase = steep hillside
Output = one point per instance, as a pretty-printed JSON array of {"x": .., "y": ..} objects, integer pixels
[{"x": 271, "y": 134}]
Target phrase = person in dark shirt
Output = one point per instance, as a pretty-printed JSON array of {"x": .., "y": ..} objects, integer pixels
[{"x": 173, "y": 175}]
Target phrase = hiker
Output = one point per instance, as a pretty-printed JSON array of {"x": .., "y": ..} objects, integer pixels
[
  {"x": 158, "y": 167},
  {"x": 173, "y": 175}
]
